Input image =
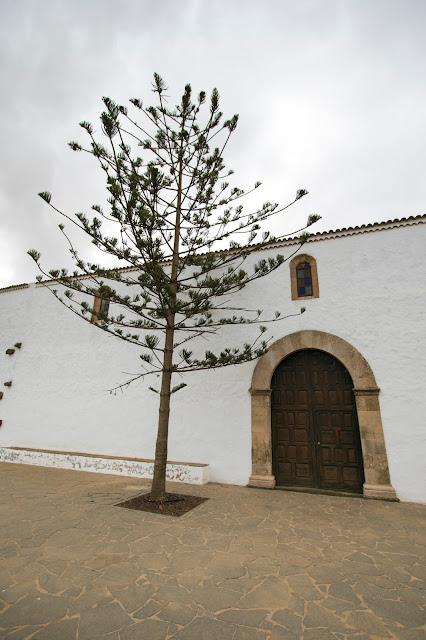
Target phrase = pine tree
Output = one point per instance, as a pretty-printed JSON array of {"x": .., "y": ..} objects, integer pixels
[{"x": 177, "y": 220}]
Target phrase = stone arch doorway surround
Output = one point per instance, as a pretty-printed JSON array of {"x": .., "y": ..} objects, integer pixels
[{"x": 377, "y": 479}]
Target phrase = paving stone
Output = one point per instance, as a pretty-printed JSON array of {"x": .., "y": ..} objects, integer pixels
[
  {"x": 265, "y": 535},
  {"x": 172, "y": 581},
  {"x": 343, "y": 591},
  {"x": 214, "y": 599},
  {"x": 102, "y": 560},
  {"x": 123, "y": 573},
  {"x": 401, "y": 558},
  {"x": 367, "y": 621},
  {"x": 13, "y": 563},
  {"x": 374, "y": 591},
  {"x": 28, "y": 575},
  {"x": 213, "y": 581},
  {"x": 246, "y": 617},
  {"x": 262, "y": 567},
  {"x": 147, "y": 545},
  {"x": 380, "y": 581},
  {"x": 205, "y": 629},
  {"x": 6, "y": 580},
  {"x": 156, "y": 580},
  {"x": 54, "y": 566},
  {"x": 325, "y": 575},
  {"x": 60, "y": 630},
  {"x": 191, "y": 579},
  {"x": 410, "y": 634},
  {"x": 215, "y": 542},
  {"x": 170, "y": 593},
  {"x": 362, "y": 568},
  {"x": 302, "y": 587},
  {"x": 287, "y": 619},
  {"x": 240, "y": 546},
  {"x": 286, "y": 571},
  {"x": 35, "y": 608},
  {"x": 149, "y": 629},
  {"x": 228, "y": 566},
  {"x": 184, "y": 560},
  {"x": 143, "y": 530},
  {"x": 118, "y": 547},
  {"x": 318, "y": 634},
  {"x": 149, "y": 609},
  {"x": 90, "y": 598},
  {"x": 102, "y": 620},
  {"x": 296, "y": 604},
  {"x": 279, "y": 633},
  {"x": 359, "y": 556},
  {"x": 54, "y": 584},
  {"x": 81, "y": 576},
  {"x": 350, "y": 635},
  {"x": 339, "y": 606},
  {"x": 164, "y": 539},
  {"x": 176, "y": 613},
  {"x": 12, "y": 594},
  {"x": 244, "y": 633},
  {"x": 153, "y": 561},
  {"x": 317, "y": 616},
  {"x": 191, "y": 538},
  {"x": 273, "y": 593},
  {"x": 20, "y": 634},
  {"x": 242, "y": 585},
  {"x": 294, "y": 560},
  {"x": 419, "y": 584},
  {"x": 406, "y": 613},
  {"x": 133, "y": 597},
  {"x": 72, "y": 592},
  {"x": 412, "y": 594},
  {"x": 419, "y": 571}
]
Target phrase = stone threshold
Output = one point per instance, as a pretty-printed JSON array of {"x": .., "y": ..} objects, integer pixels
[
  {"x": 325, "y": 492},
  {"x": 189, "y": 472}
]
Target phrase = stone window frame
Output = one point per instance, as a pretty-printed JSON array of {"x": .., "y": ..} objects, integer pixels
[
  {"x": 376, "y": 468},
  {"x": 101, "y": 297},
  {"x": 304, "y": 257}
]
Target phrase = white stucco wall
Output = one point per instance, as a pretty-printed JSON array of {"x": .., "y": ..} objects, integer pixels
[{"x": 372, "y": 294}]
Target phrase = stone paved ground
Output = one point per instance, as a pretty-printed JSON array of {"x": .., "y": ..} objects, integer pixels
[{"x": 248, "y": 564}]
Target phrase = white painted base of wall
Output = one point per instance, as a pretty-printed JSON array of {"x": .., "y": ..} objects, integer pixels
[{"x": 189, "y": 472}]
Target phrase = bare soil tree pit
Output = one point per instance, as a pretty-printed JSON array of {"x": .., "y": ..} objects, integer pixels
[{"x": 176, "y": 504}]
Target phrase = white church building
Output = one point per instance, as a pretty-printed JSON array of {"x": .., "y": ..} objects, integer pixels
[{"x": 337, "y": 404}]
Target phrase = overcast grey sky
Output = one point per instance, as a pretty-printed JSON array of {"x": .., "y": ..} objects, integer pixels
[{"x": 331, "y": 97}]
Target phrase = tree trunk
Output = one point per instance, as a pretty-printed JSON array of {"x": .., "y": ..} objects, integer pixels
[{"x": 158, "y": 488}]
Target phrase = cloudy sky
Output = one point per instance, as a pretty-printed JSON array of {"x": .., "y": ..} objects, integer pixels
[{"x": 330, "y": 93}]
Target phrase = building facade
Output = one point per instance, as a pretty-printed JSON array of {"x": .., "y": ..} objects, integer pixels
[{"x": 337, "y": 403}]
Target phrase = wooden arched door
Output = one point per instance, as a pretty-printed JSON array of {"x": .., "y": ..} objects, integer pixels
[{"x": 315, "y": 432}]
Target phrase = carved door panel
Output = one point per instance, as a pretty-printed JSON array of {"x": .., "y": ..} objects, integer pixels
[{"x": 315, "y": 433}]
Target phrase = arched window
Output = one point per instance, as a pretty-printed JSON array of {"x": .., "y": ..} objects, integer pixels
[
  {"x": 304, "y": 277},
  {"x": 101, "y": 304}
]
